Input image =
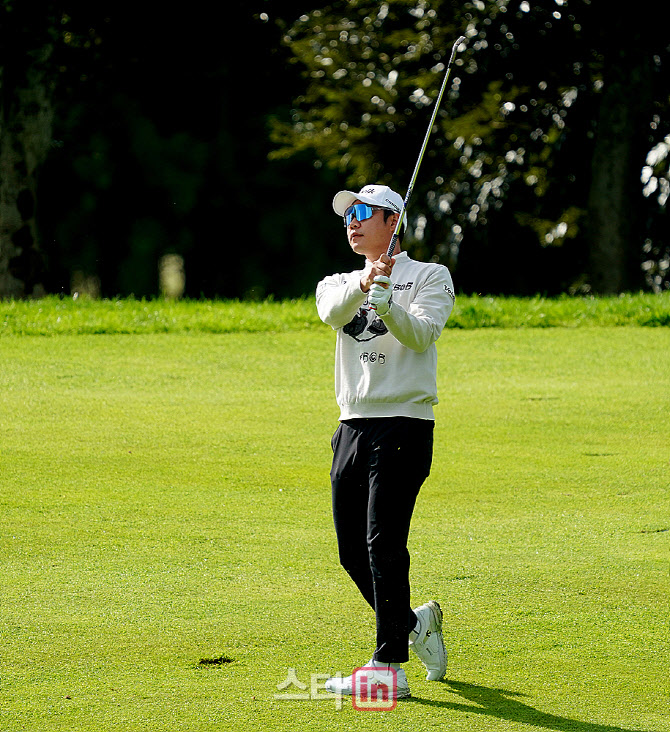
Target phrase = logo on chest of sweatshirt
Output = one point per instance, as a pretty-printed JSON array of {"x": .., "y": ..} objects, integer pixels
[
  {"x": 363, "y": 328},
  {"x": 400, "y": 287}
]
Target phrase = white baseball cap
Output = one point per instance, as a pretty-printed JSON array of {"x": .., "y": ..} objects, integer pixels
[{"x": 373, "y": 195}]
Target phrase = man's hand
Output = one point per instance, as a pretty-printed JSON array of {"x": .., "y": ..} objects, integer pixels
[
  {"x": 381, "y": 268},
  {"x": 380, "y": 295}
]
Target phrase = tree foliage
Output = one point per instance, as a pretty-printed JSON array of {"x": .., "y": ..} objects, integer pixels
[
  {"x": 128, "y": 134},
  {"x": 518, "y": 175}
]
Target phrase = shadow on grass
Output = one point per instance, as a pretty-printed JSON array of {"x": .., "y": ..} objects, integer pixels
[{"x": 499, "y": 704}]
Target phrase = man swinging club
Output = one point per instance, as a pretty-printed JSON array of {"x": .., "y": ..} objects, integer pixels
[{"x": 387, "y": 316}]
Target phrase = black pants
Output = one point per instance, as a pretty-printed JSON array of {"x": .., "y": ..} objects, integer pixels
[{"x": 378, "y": 468}]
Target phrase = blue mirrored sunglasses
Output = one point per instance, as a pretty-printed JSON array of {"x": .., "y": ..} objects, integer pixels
[{"x": 359, "y": 211}]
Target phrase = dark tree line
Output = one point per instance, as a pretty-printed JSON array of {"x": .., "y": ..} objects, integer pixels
[{"x": 129, "y": 132}]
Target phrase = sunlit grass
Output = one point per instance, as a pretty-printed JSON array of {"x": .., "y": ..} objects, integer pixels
[
  {"x": 55, "y": 316},
  {"x": 165, "y": 501}
]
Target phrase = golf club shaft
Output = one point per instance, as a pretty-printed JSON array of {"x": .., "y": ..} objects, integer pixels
[{"x": 394, "y": 238}]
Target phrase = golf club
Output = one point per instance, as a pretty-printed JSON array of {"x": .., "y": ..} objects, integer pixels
[{"x": 394, "y": 238}]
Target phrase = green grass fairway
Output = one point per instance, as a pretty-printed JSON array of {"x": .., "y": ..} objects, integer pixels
[{"x": 168, "y": 551}]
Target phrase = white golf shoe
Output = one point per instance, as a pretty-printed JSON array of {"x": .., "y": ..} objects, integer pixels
[
  {"x": 428, "y": 643},
  {"x": 371, "y": 679}
]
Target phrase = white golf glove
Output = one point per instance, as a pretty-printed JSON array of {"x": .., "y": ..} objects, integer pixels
[{"x": 379, "y": 296}]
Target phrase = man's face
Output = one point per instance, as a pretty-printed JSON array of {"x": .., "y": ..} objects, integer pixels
[{"x": 372, "y": 236}]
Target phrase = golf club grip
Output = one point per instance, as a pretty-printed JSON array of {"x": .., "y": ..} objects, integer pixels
[{"x": 394, "y": 240}]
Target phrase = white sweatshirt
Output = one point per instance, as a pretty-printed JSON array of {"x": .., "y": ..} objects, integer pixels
[{"x": 386, "y": 366}]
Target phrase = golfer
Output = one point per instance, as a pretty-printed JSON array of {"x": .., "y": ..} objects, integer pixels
[{"x": 388, "y": 316}]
